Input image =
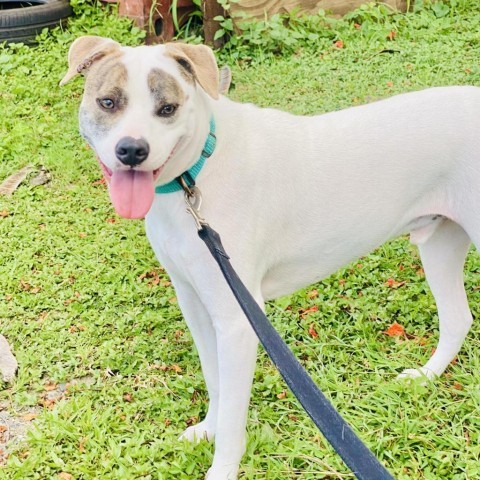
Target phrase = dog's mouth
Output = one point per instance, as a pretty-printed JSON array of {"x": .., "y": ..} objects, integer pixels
[{"x": 131, "y": 191}]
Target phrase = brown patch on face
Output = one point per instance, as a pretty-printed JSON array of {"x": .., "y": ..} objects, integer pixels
[
  {"x": 106, "y": 79},
  {"x": 164, "y": 89}
]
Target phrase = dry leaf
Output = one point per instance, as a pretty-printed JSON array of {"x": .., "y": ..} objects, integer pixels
[
  {"x": 102, "y": 181},
  {"x": 392, "y": 35},
  {"x": 395, "y": 330},
  {"x": 65, "y": 476},
  {"x": 48, "y": 387},
  {"x": 10, "y": 184},
  {"x": 29, "y": 417},
  {"x": 81, "y": 444},
  {"x": 282, "y": 395},
  {"x": 305, "y": 311},
  {"x": 392, "y": 283},
  {"x": 312, "y": 332}
]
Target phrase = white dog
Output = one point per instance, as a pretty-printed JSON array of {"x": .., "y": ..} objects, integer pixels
[{"x": 294, "y": 198}]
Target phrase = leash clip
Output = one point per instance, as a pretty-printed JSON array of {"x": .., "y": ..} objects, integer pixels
[{"x": 193, "y": 199}]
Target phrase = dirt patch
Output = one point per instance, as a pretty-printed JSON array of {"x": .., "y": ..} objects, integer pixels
[{"x": 15, "y": 422}]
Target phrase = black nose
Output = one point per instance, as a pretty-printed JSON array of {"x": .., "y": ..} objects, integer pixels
[{"x": 132, "y": 151}]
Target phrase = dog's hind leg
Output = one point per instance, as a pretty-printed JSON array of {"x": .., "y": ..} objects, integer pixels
[{"x": 443, "y": 256}]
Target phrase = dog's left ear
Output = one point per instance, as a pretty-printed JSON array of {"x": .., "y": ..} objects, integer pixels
[
  {"x": 84, "y": 51},
  {"x": 198, "y": 60}
]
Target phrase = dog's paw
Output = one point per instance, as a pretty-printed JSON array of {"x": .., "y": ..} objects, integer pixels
[
  {"x": 197, "y": 433},
  {"x": 222, "y": 472},
  {"x": 8, "y": 363},
  {"x": 422, "y": 374}
]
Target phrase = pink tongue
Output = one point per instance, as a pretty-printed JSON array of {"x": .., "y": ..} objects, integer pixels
[{"x": 132, "y": 192}]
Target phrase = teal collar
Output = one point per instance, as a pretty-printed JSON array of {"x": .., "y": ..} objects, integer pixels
[{"x": 191, "y": 174}]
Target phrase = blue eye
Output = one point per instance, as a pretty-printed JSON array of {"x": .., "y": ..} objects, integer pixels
[
  {"x": 106, "y": 103},
  {"x": 167, "y": 110}
]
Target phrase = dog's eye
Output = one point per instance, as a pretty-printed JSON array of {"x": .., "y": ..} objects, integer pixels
[
  {"x": 167, "y": 110},
  {"x": 106, "y": 103}
]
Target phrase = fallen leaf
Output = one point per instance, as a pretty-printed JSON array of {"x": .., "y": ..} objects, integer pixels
[
  {"x": 65, "y": 476},
  {"x": 102, "y": 181},
  {"x": 312, "y": 294},
  {"x": 48, "y": 403},
  {"x": 457, "y": 386},
  {"x": 176, "y": 368},
  {"x": 305, "y": 311},
  {"x": 395, "y": 330},
  {"x": 4, "y": 213},
  {"x": 81, "y": 444},
  {"x": 339, "y": 44},
  {"x": 282, "y": 395},
  {"x": 192, "y": 421},
  {"x": 390, "y": 84},
  {"x": 49, "y": 386},
  {"x": 128, "y": 397},
  {"x": 3, "y": 428},
  {"x": 11, "y": 183},
  {"x": 392, "y": 35},
  {"x": 312, "y": 332},
  {"x": 392, "y": 283},
  {"x": 29, "y": 417}
]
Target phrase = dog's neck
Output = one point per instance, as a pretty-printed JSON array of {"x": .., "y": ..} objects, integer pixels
[{"x": 189, "y": 175}]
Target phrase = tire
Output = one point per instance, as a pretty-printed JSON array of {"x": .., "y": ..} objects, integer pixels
[{"x": 23, "y": 20}]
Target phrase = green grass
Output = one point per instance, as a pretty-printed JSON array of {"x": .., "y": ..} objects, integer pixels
[{"x": 76, "y": 301}]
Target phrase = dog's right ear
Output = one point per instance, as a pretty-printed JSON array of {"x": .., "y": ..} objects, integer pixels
[{"x": 84, "y": 51}]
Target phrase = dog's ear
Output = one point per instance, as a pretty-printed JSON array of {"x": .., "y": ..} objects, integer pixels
[
  {"x": 84, "y": 51},
  {"x": 225, "y": 80},
  {"x": 199, "y": 61}
]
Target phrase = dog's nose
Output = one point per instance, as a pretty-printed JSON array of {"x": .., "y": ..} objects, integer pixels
[{"x": 132, "y": 151}]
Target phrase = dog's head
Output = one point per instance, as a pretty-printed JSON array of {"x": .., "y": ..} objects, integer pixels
[{"x": 145, "y": 111}]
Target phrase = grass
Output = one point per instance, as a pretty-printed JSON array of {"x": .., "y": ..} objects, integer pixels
[{"x": 84, "y": 298}]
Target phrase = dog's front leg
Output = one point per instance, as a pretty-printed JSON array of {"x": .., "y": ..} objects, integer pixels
[
  {"x": 237, "y": 349},
  {"x": 200, "y": 325}
]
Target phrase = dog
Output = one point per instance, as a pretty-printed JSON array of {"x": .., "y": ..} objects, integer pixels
[{"x": 294, "y": 198}]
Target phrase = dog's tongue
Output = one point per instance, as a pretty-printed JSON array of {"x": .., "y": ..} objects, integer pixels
[{"x": 132, "y": 192}]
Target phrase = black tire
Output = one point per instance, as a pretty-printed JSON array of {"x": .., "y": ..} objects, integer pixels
[{"x": 22, "y": 20}]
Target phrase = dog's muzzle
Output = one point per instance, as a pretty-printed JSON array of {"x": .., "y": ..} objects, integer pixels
[{"x": 132, "y": 151}]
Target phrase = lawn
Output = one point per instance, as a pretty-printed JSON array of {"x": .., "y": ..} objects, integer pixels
[{"x": 108, "y": 373}]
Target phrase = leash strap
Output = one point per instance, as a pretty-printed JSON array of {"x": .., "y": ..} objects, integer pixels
[{"x": 346, "y": 443}]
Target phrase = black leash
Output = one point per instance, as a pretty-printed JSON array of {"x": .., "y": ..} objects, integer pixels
[{"x": 336, "y": 430}]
